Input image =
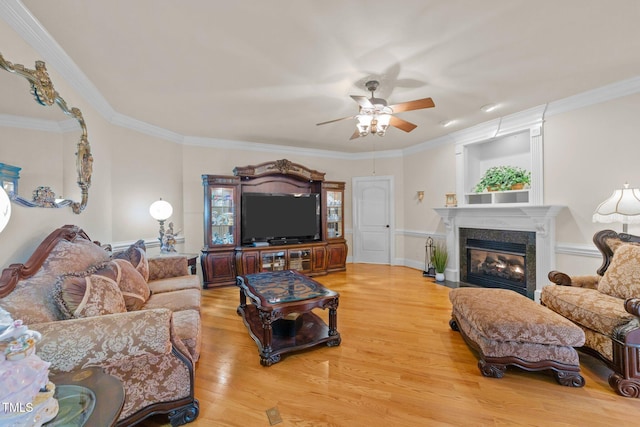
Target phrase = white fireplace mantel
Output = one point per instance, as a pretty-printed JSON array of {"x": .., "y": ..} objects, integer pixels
[{"x": 539, "y": 219}]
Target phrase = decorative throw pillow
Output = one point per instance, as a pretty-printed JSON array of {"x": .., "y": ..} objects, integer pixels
[
  {"x": 622, "y": 278},
  {"x": 132, "y": 285},
  {"x": 136, "y": 254},
  {"x": 66, "y": 257},
  {"x": 93, "y": 292}
]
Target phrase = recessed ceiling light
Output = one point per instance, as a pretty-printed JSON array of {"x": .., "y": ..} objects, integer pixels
[
  {"x": 489, "y": 107},
  {"x": 447, "y": 123}
]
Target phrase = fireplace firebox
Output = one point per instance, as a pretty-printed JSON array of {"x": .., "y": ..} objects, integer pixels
[{"x": 498, "y": 259}]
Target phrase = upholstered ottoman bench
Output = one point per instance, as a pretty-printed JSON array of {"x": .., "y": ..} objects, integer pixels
[{"x": 506, "y": 328}]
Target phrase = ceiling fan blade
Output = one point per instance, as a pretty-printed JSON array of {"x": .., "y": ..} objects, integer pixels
[
  {"x": 402, "y": 124},
  {"x": 413, "y": 105},
  {"x": 335, "y": 120},
  {"x": 355, "y": 135},
  {"x": 362, "y": 101}
]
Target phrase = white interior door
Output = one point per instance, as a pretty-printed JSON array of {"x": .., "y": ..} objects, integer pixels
[{"x": 373, "y": 219}]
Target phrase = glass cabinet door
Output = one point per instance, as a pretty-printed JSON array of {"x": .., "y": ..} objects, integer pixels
[
  {"x": 300, "y": 259},
  {"x": 334, "y": 214},
  {"x": 273, "y": 261},
  {"x": 222, "y": 216}
]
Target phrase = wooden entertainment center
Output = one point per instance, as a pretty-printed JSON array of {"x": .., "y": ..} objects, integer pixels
[{"x": 224, "y": 256}]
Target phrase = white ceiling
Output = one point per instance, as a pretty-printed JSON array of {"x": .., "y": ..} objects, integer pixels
[{"x": 268, "y": 71}]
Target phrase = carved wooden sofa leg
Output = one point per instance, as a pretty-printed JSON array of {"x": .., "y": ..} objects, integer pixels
[
  {"x": 493, "y": 370},
  {"x": 185, "y": 414},
  {"x": 624, "y": 387},
  {"x": 568, "y": 378},
  {"x": 625, "y": 379}
]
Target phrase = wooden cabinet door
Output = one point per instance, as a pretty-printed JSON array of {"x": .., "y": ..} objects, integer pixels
[
  {"x": 319, "y": 258},
  {"x": 336, "y": 256},
  {"x": 218, "y": 268},
  {"x": 248, "y": 262}
]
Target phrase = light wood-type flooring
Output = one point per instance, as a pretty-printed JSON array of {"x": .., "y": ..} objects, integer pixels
[{"x": 399, "y": 364}]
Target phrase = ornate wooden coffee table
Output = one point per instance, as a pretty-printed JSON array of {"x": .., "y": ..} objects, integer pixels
[{"x": 279, "y": 318}]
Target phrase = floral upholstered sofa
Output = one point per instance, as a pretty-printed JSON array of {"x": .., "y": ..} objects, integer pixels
[
  {"x": 137, "y": 318},
  {"x": 606, "y": 306}
]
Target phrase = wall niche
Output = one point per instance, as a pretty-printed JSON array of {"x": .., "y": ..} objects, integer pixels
[{"x": 511, "y": 141}]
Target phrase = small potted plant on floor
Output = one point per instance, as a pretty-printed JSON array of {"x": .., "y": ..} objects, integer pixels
[
  {"x": 503, "y": 178},
  {"x": 439, "y": 259}
]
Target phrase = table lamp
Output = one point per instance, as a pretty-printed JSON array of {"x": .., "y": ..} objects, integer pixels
[
  {"x": 161, "y": 210},
  {"x": 623, "y": 206}
]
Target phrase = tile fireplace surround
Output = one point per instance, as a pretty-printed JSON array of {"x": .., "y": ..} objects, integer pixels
[{"x": 538, "y": 219}]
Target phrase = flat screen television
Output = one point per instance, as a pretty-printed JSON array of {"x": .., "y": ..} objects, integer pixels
[{"x": 280, "y": 216}]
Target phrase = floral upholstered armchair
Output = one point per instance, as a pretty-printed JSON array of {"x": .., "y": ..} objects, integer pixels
[
  {"x": 137, "y": 320},
  {"x": 607, "y": 307}
]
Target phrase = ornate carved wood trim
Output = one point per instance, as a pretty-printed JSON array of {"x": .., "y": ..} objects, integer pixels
[
  {"x": 559, "y": 278},
  {"x": 278, "y": 167},
  {"x": 15, "y": 272},
  {"x": 602, "y": 239}
]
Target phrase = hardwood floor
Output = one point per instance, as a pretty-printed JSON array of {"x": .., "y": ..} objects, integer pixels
[{"x": 399, "y": 364}]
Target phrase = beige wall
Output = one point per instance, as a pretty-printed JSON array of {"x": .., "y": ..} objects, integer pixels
[
  {"x": 434, "y": 172},
  {"x": 587, "y": 154}
]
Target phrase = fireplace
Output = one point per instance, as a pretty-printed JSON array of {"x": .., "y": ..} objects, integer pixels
[
  {"x": 498, "y": 259},
  {"x": 539, "y": 221}
]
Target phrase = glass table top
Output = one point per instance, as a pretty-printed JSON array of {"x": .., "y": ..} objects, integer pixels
[
  {"x": 76, "y": 403},
  {"x": 286, "y": 286}
]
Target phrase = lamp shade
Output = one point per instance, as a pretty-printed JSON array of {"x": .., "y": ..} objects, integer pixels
[
  {"x": 160, "y": 210},
  {"x": 5, "y": 209},
  {"x": 623, "y": 206}
]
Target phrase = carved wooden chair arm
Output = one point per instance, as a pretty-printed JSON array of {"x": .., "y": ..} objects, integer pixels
[
  {"x": 563, "y": 279},
  {"x": 632, "y": 305},
  {"x": 559, "y": 278}
]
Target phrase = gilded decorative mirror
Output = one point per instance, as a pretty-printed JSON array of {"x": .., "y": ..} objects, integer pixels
[{"x": 46, "y": 96}]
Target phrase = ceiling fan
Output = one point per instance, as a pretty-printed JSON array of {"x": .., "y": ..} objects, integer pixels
[{"x": 375, "y": 116}]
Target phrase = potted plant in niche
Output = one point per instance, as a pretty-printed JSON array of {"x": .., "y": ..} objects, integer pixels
[
  {"x": 503, "y": 178},
  {"x": 439, "y": 259}
]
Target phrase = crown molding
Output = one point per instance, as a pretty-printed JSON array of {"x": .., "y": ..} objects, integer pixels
[
  {"x": 502, "y": 126},
  {"x": 54, "y": 126},
  {"x": 594, "y": 96},
  {"x": 146, "y": 128},
  {"x": 285, "y": 149},
  {"x": 30, "y": 29}
]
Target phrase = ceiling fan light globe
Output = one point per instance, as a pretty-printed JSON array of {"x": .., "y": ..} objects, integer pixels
[
  {"x": 364, "y": 130},
  {"x": 363, "y": 124},
  {"x": 383, "y": 120}
]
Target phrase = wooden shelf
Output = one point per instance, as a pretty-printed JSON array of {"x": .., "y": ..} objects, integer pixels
[
  {"x": 498, "y": 197},
  {"x": 312, "y": 332}
]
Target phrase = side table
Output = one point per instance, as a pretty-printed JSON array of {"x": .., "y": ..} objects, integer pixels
[{"x": 88, "y": 397}]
